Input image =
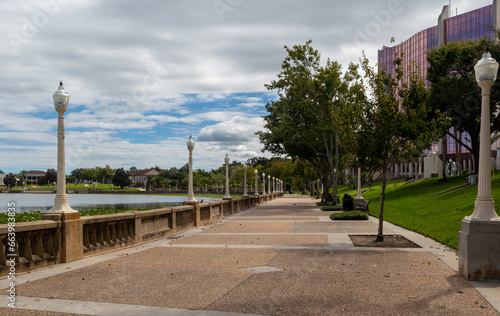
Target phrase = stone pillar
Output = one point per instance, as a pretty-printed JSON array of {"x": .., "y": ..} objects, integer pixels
[
  {"x": 71, "y": 244},
  {"x": 196, "y": 211},
  {"x": 479, "y": 250}
]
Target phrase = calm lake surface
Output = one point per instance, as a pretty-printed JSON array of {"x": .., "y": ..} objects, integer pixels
[{"x": 41, "y": 202}]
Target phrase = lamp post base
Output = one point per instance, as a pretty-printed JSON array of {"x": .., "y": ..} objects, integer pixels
[
  {"x": 359, "y": 200},
  {"x": 61, "y": 206},
  {"x": 479, "y": 250}
]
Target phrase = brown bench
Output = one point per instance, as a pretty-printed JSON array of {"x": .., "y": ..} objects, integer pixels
[{"x": 363, "y": 206}]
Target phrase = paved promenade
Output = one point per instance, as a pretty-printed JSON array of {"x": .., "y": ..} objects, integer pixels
[{"x": 281, "y": 258}]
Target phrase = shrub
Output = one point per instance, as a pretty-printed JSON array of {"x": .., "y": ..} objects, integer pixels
[
  {"x": 337, "y": 207},
  {"x": 349, "y": 216},
  {"x": 323, "y": 203}
]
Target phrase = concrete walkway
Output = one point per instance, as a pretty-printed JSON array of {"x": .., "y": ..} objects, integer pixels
[{"x": 282, "y": 258}]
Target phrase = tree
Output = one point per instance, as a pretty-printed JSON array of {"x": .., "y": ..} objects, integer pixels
[
  {"x": 317, "y": 106},
  {"x": 50, "y": 176},
  {"x": 121, "y": 178},
  {"x": 454, "y": 90},
  {"x": 105, "y": 174},
  {"x": 10, "y": 180},
  {"x": 396, "y": 125},
  {"x": 23, "y": 174},
  {"x": 150, "y": 183}
]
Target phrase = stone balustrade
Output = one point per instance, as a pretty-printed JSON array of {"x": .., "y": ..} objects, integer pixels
[{"x": 64, "y": 238}]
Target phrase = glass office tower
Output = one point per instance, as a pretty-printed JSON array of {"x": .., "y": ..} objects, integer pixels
[{"x": 472, "y": 25}]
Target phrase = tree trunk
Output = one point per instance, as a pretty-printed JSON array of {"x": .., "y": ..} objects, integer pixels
[
  {"x": 380, "y": 235},
  {"x": 444, "y": 147},
  {"x": 335, "y": 181}
]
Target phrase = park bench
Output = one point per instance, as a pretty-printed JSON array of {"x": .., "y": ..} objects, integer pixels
[{"x": 362, "y": 206}]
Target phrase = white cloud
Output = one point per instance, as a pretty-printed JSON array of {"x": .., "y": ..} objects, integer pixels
[{"x": 145, "y": 67}]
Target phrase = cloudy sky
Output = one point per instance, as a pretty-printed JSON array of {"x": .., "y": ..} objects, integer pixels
[{"x": 144, "y": 75}]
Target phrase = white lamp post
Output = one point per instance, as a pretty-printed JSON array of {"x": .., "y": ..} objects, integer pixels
[
  {"x": 245, "y": 167},
  {"x": 486, "y": 73},
  {"x": 269, "y": 184},
  {"x": 190, "y": 147},
  {"x": 61, "y": 100},
  {"x": 263, "y": 183},
  {"x": 256, "y": 181},
  {"x": 478, "y": 256},
  {"x": 226, "y": 160},
  {"x": 359, "y": 197},
  {"x": 274, "y": 185}
]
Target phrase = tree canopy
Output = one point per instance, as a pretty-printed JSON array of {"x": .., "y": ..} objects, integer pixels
[
  {"x": 317, "y": 105},
  {"x": 454, "y": 90},
  {"x": 397, "y": 125}
]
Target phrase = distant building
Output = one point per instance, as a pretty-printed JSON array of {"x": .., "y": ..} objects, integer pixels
[
  {"x": 2, "y": 176},
  {"x": 141, "y": 176},
  {"x": 472, "y": 25},
  {"x": 32, "y": 176}
]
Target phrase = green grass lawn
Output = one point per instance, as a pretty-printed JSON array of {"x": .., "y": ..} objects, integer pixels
[{"x": 438, "y": 217}]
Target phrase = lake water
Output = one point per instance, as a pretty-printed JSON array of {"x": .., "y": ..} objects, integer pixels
[{"x": 41, "y": 202}]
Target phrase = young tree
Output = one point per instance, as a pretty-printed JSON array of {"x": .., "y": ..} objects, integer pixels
[
  {"x": 121, "y": 178},
  {"x": 396, "y": 125}
]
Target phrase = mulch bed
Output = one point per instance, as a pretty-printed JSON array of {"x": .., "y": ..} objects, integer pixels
[{"x": 390, "y": 241}]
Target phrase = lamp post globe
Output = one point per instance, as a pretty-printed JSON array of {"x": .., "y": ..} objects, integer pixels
[
  {"x": 226, "y": 160},
  {"x": 61, "y": 100},
  {"x": 256, "y": 172},
  {"x": 486, "y": 71},
  {"x": 245, "y": 167},
  {"x": 190, "y": 147}
]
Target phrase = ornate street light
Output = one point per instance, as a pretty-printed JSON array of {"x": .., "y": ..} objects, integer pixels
[
  {"x": 61, "y": 100},
  {"x": 269, "y": 184},
  {"x": 256, "y": 181},
  {"x": 245, "y": 193},
  {"x": 226, "y": 160},
  {"x": 486, "y": 73},
  {"x": 190, "y": 147},
  {"x": 478, "y": 239},
  {"x": 263, "y": 183}
]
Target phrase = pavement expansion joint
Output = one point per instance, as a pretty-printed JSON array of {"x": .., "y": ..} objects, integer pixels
[{"x": 262, "y": 269}]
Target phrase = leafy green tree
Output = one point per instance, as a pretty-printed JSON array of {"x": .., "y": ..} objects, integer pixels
[
  {"x": 396, "y": 125},
  {"x": 159, "y": 180},
  {"x": 316, "y": 106},
  {"x": 454, "y": 90},
  {"x": 150, "y": 183},
  {"x": 121, "y": 178},
  {"x": 23, "y": 175},
  {"x": 51, "y": 176},
  {"x": 105, "y": 174},
  {"x": 10, "y": 180}
]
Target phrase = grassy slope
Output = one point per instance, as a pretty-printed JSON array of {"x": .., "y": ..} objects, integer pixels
[{"x": 438, "y": 217}]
